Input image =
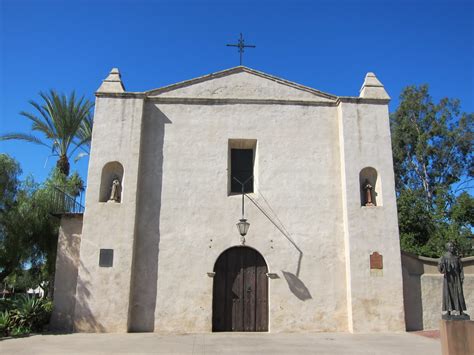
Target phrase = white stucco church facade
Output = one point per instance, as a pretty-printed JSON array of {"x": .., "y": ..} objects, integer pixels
[{"x": 158, "y": 249}]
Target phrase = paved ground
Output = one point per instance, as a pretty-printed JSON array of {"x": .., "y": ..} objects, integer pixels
[
  {"x": 224, "y": 343},
  {"x": 433, "y": 334}
]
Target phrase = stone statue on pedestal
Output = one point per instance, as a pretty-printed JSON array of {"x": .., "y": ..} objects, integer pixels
[
  {"x": 115, "y": 190},
  {"x": 453, "y": 297},
  {"x": 368, "y": 193}
]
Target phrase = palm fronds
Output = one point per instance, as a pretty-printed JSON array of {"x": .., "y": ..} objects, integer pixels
[{"x": 65, "y": 122}]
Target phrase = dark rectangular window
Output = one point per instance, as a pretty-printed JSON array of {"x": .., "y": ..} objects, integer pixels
[{"x": 242, "y": 169}]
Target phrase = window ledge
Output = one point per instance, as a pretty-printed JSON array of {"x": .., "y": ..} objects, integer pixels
[{"x": 239, "y": 194}]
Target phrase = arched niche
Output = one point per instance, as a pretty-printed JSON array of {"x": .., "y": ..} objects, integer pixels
[
  {"x": 370, "y": 187},
  {"x": 111, "y": 172}
]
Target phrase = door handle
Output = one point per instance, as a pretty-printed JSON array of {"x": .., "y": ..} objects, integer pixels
[{"x": 249, "y": 289}]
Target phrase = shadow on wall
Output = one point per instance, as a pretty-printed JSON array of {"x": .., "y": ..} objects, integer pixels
[
  {"x": 271, "y": 215},
  {"x": 144, "y": 280},
  {"x": 297, "y": 287},
  {"x": 71, "y": 310},
  {"x": 65, "y": 280},
  {"x": 83, "y": 318},
  {"x": 412, "y": 300}
]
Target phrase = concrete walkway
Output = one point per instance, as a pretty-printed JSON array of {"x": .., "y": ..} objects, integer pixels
[{"x": 223, "y": 343}]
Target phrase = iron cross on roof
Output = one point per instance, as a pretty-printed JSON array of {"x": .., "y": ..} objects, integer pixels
[{"x": 241, "y": 45}]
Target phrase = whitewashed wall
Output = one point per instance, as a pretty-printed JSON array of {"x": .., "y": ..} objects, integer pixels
[
  {"x": 103, "y": 294},
  {"x": 374, "y": 298},
  {"x": 297, "y": 164}
]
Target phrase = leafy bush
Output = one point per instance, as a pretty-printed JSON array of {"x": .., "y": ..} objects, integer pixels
[
  {"x": 19, "y": 331},
  {"x": 4, "y": 320},
  {"x": 25, "y": 316}
]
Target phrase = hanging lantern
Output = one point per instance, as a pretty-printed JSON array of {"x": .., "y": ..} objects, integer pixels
[{"x": 243, "y": 227}]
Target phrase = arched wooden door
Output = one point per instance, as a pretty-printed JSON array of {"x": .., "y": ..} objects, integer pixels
[{"x": 240, "y": 295}]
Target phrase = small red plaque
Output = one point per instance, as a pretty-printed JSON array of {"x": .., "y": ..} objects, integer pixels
[{"x": 376, "y": 261}]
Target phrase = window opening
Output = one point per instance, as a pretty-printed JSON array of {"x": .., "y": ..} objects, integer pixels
[{"x": 241, "y": 169}]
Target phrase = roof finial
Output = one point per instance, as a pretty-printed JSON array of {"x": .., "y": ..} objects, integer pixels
[
  {"x": 373, "y": 88},
  {"x": 241, "y": 45},
  {"x": 113, "y": 83}
]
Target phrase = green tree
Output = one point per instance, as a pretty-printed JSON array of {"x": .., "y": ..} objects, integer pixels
[
  {"x": 9, "y": 172},
  {"x": 10, "y": 254},
  {"x": 22, "y": 280},
  {"x": 63, "y": 121},
  {"x": 28, "y": 230},
  {"x": 73, "y": 185},
  {"x": 432, "y": 142},
  {"x": 433, "y": 162}
]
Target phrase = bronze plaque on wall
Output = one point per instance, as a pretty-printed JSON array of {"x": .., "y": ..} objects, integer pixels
[{"x": 376, "y": 261}]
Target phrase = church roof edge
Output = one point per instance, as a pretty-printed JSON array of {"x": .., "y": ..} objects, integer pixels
[
  {"x": 112, "y": 86},
  {"x": 239, "y": 69}
]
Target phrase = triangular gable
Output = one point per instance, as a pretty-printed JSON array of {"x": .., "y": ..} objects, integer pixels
[{"x": 241, "y": 83}]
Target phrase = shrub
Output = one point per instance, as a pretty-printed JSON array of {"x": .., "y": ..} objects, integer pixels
[
  {"x": 4, "y": 320},
  {"x": 18, "y": 331},
  {"x": 26, "y": 315}
]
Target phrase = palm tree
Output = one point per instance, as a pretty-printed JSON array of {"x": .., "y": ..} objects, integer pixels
[
  {"x": 84, "y": 134},
  {"x": 63, "y": 121}
]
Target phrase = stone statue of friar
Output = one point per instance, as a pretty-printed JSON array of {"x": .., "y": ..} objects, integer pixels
[
  {"x": 115, "y": 190},
  {"x": 453, "y": 297},
  {"x": 368, "y": 193}
]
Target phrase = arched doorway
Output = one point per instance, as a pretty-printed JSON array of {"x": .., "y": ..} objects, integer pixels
[{"x": 240, "y": 294}]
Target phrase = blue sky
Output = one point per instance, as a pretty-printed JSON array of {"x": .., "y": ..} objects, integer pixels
[{"x": 328, "y": 45}]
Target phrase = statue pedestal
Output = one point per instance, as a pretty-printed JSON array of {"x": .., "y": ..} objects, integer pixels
[
  {"x": 455, "y": 317},
  {"x": 457, "y": 337}
]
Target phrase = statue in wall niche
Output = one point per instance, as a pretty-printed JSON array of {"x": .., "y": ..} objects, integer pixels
[
  {"x": 368, "y": 193},
  {"x": 453, "y": 297},
  {"x": 115, "y": 190}
]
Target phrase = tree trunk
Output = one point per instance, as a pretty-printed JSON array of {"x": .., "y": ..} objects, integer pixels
[{"x": 63, "y": 165}]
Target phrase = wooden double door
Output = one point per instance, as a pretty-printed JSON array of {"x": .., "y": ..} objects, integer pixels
[{"x": 240, "y": 294}]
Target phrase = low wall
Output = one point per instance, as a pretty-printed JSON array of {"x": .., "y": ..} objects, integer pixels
[
  {"x": 423, "y": 290},
  {"x": 67, "y": 263}
]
